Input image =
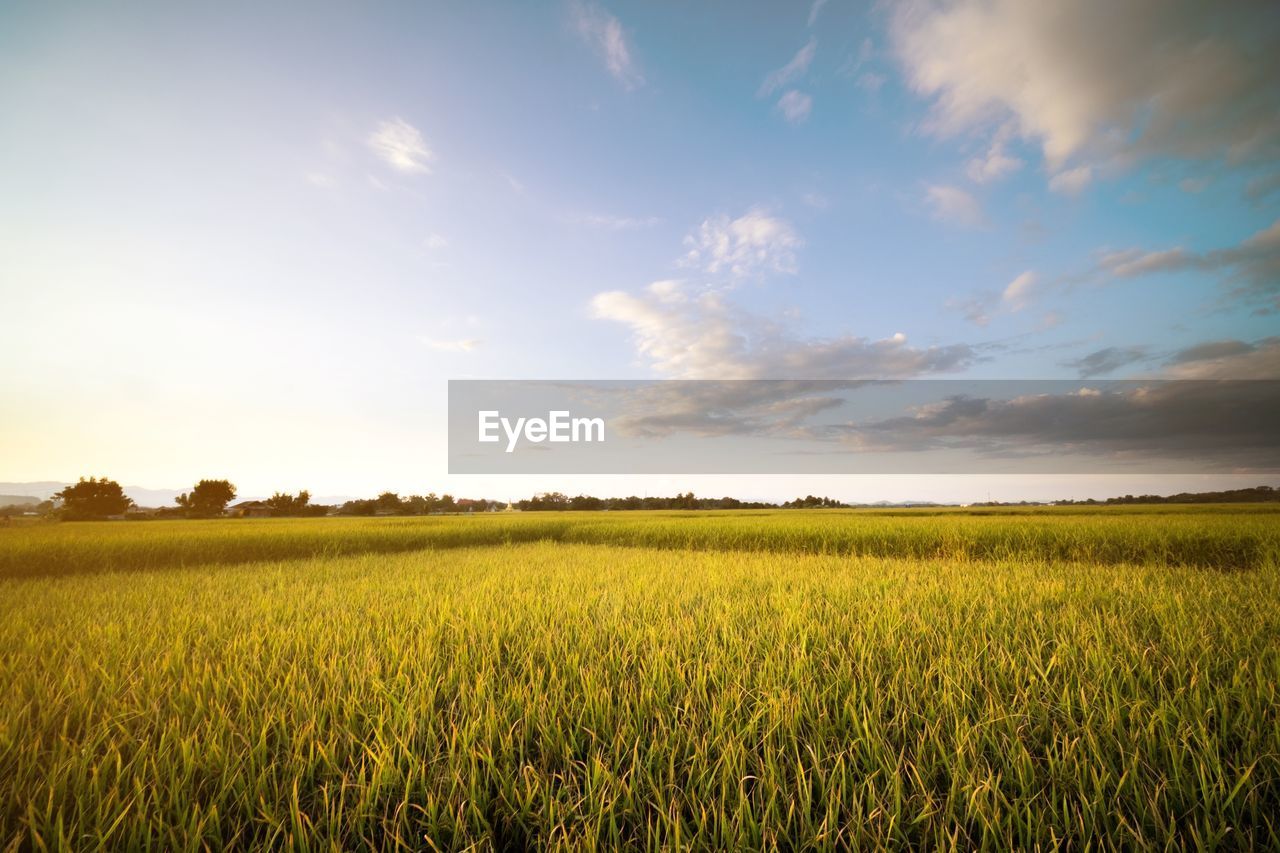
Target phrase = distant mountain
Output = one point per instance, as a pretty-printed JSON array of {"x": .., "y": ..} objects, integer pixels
[
  {"x": 18, "y": 500},
  {"x": 45, "y": 489},
  {"x": 41, "y": 491}
]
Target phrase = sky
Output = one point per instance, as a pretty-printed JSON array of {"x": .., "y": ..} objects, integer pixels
[{"x": 255, "y": 241}]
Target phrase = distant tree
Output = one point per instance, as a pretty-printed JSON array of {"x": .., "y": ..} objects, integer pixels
[
  {"x": 208, "y": 498},
  {"x": 284, "y": 504},
  {"x": 93, "y": 498},
  {"x": 359, "y": 508},
  {"x": 388, "y": 501},
  {"x": 586, "y": 502},
  {"x": 281, "y": 503},
  {"x": 812, "y": 502},
  {"x": 1256, "y": 494},
  {"x": 549, "y": 501}
]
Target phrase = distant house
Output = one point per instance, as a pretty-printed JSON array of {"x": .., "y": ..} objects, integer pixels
[{"x": 249, "y": 509}]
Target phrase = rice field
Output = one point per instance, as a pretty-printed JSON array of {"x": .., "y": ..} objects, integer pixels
[{"x": 1060, "y": 678}]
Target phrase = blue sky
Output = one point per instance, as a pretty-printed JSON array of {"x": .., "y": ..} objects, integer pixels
[{"x": 256, "y": 242}]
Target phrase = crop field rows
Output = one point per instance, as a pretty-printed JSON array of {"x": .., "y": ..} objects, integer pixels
[{"x": 816, "y": 680}]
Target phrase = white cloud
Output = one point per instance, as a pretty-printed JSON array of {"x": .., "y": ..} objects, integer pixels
[
  {"x": 401, "y": 146},
  {"x": 1097, "y": 83},
  {"x": 870, "y": 81},
  {"x": 603, "y": 33},
  {"x": 1129, "y": 263},
  {"x": 795, "y": 105},
  {"x": 815, "y": 10},
  {"x": 954, "y": 205},
  {"x": 1018, "y": 292},
  {"x": 866, "y": 53},
  {"x": 690, "y": 333},
  {"x": 620, "y": 223},
  {"x": 445, "y": 345},
  {"x": 435, "y": 242},
  {"x": 792, "y": 71},
  {"x": 816, "y": 200},
  {"x": 1071, "y": 181},
  {"x": 976, "y": 309},
  {"x": 752, "y": 244},
  {"x": 996, "y": 163},
  {"x": 1051, "y": 320},
  {"x": 703, "y": 336},
  {"x": 516, "y": 185}
]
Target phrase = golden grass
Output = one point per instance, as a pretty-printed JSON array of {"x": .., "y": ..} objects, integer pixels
[{"x": 746, "y": 684}]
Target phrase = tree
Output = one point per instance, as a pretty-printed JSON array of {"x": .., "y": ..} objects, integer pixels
[
  {"x": 359, "y": 508},
  {"x": 93, "y": 498},
  {"x": 208, "y": 498},
  {"x": 284, "y": 504},
  {"x": 586, "y": 502}
]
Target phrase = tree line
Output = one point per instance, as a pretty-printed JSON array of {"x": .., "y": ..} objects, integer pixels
[
  {"x": 559, "y": 502},
  {"x": 101, "y": 498},
  {"x": 1256, "y": 494}
]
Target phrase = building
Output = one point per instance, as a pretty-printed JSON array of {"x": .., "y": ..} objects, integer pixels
[{"x": 249, "y": 509}]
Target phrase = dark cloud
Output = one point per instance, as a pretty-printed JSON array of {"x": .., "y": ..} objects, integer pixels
[
  {"x": 732, "y": 407},
  {"x": 1251, "y": 268},
  {"x": 1207, "y": 422},
  {"x": 909, "y": 426},
  {"x": 1107, "y": 360},
  {"x": 1197, "y": 423},
  {"x": 1229, "y": 359},
  {"x": 1211, "y": 350},
  {"x": 1261, "y": 187}
]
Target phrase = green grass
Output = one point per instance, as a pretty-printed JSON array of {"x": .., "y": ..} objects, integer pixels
[{"x": 743, "y": 680}]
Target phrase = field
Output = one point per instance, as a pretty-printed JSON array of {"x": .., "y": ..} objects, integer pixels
[{"x": 1059, "y": 678}]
